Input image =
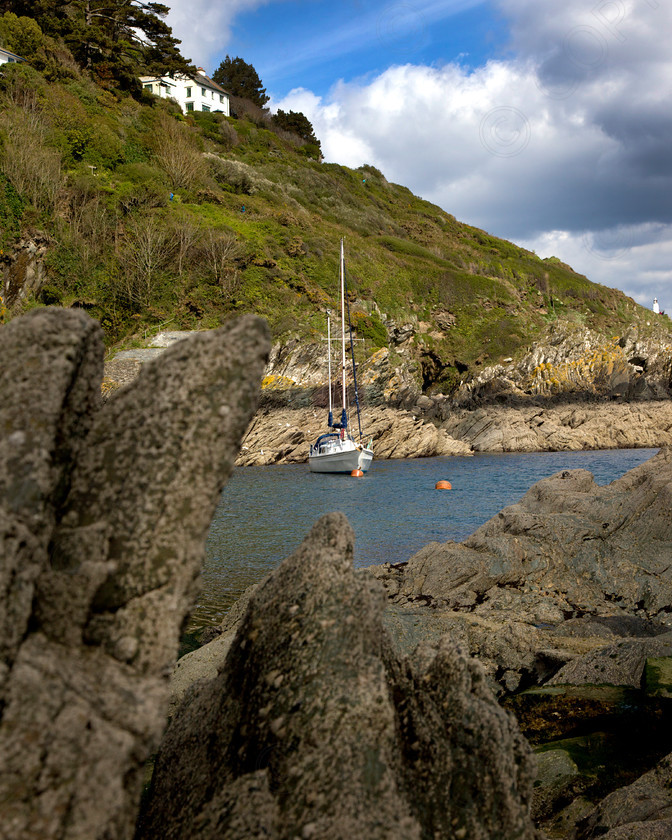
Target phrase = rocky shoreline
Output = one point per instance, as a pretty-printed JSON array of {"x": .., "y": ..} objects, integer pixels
[
  {"x": 490, "y": 414},
  {"x": 281, "y": 433},
  {"x": 517, "y": 684},
  {"x": 284, "y": 435}
]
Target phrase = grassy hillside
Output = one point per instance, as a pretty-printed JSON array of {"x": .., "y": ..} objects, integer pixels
[{"x": 156, "y": 220}]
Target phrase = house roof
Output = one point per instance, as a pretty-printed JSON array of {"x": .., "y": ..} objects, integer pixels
[
  {"x": 11, "y": 54},
  {"x": 201, "y": 77},
  {"x": 197, "y": 78},
  {"x": 162, "y": 80}
]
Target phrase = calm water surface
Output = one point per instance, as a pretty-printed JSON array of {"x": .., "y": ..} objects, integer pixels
[{"x": 265, "y": 512}]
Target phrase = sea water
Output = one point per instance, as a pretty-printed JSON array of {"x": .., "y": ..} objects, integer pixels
[{"x": 394, "y": 510}]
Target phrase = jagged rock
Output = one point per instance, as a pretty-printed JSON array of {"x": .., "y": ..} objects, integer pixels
[
  {"x": 575, "y": 362},
  {"x": 621, "y": 663},
  {"x": 641, "y": 811},
  {"x": 510, "y": 651},
  {"x": 200, "y": 664},
  {"x": 51, "y": 366},
  {"x": 22, "y": 270},
  {"x": 556, "y": 771},
  {"x": 104, "y": 516},
  {"x": 513, "y": 591},
  {"x": 315, "y": 729},
  {"x": 568, "y": 544}
]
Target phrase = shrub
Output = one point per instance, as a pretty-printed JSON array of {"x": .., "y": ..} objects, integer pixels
[
  {"x": 11, "y": 210},
  {"x": 176, "y": 152},
  {"x": 33, "y": 167},
  {"x": 370, "y": 327},
  {"x": 140, "y": 185},
  {"x": 144, "y": 252}
]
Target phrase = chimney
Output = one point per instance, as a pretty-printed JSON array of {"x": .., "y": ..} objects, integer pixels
[{"x": 201, "y": 71}]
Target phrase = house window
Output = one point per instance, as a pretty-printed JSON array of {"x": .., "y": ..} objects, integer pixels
[
  {"x": 206, "y": 107},
  {"x": 203, "y": 92},
  {"x": 190, "y": 106},
  {"x": 221, "y": 98},
  {"x": 149, "y": 88},
  {"x": 188, "y": 93}
]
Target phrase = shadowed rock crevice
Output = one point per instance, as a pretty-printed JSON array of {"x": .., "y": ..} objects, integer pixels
[{"x": 104, "y": 515}]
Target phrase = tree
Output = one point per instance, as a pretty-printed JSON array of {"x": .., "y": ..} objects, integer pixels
[
  {"x": 239, "y": 78},
  {"x": 117, "y": 39},
  {"x": 21, "y": 35},
  {"x": 297, "y": 123}
]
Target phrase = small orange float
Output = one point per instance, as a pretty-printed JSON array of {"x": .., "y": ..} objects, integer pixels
[
  {"x": 357, "y": 473},
  {"x": 443, "y": 485}
]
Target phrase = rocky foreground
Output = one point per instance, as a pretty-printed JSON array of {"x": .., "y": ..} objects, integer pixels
[
  {"x": 564, "y": 601},
  {"x": 396, "y": 702}
]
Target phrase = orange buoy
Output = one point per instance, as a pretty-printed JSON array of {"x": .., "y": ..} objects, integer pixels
[
  {"x": 357, "y": 473},
  {"x": 443, "y": 485}
]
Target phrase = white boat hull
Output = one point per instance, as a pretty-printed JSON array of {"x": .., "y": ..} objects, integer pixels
[{"x": 340, "y": 457}]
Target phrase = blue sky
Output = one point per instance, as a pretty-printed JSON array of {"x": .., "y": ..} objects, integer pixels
[
  {"x": 544, "y": 122},
  {"x": 321, "y": 42}
]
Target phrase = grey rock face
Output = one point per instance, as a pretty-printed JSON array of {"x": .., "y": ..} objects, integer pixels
[
  {"x": 315, "y": 729},
  {"x": 569, "y": 544},
  {"x": 564, "y": 428},
  {"x": 104, "y": 515},
  {"x": 548, "y": 580},
  {"x": 621, "y": 663}
]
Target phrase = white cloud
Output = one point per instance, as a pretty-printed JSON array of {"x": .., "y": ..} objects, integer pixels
[
  {"x": 564, "y": 148},
  {"x": 204, "y": 26}
]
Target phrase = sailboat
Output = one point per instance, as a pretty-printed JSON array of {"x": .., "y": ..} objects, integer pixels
[{"x": 337, "y": 451}]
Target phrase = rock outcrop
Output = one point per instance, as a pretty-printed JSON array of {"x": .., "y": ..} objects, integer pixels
[
  {"x": 284, "y": 436},
  {"x": 568, "y": 547},
  {"x": 314, "y": 728},
  {"x": 642, "y": 810},
  {"x": 569, "y": 569},
  {"x": 404, "y": 423},
  {"x": 562, "y": 428},
  {"x": 575, "y": 362},
  {"x": 22, "y": 270},
  {"x": 104, "y": 513}
]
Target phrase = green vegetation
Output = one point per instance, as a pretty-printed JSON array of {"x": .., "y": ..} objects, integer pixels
[
  {"x": 154, "y": 217},
  {"x": 298, "y": 124}
]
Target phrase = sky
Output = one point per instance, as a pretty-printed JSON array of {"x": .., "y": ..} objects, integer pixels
[{"x": 545, "y": 122}]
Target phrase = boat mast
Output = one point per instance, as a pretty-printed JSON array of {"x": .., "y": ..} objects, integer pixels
[
  {"x": 331, "y": 413},
  {"x": 352, "y": 353},
  {"x": 344, "y": 414}
]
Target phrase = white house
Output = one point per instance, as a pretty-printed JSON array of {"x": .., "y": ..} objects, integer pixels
[
  {"x": 7, "y": 57},
  {"x": 192, "y": 93}
]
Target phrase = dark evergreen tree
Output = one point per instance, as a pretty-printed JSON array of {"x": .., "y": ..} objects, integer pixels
[
  {"x": 116, "y": 39},
  {"x": 239, "y": 78},
  {"x": 298, "y": 123}
]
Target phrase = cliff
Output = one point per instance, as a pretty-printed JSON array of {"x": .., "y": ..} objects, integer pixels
[{"x": 149, "y": 220}]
